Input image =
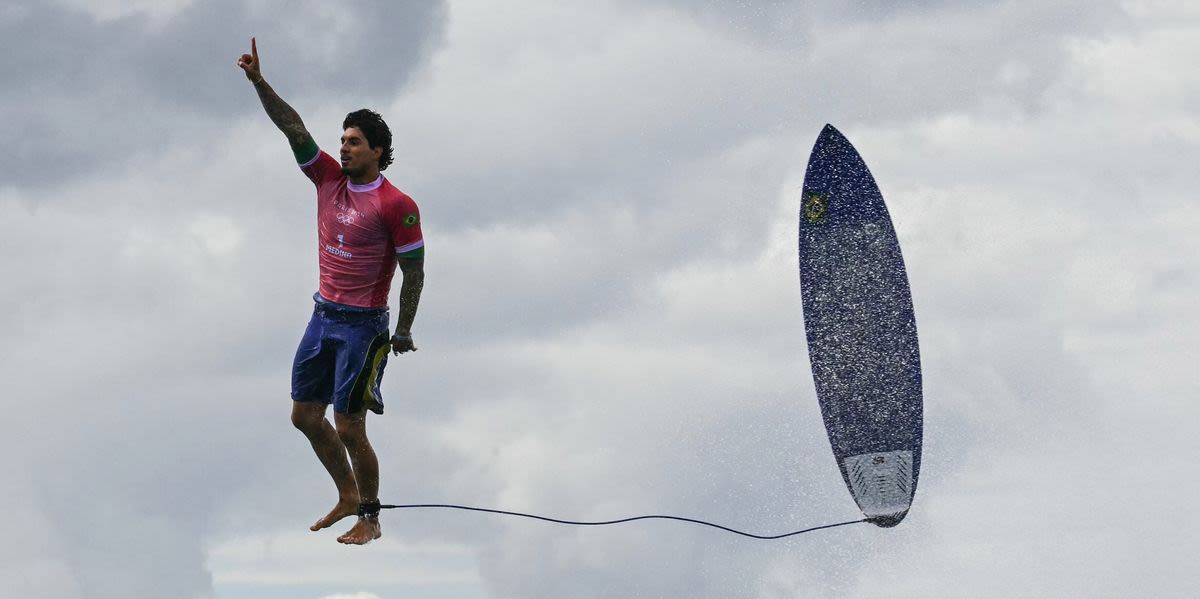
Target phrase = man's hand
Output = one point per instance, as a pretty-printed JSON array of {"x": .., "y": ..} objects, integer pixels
[
  {"x": 284, "y": 116},
  {"x": 402, "y": 343},
  {"x": 249, "y": 63}
]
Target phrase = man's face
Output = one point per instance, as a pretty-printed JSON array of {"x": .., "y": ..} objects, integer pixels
[{"x": 357, "y": 156}]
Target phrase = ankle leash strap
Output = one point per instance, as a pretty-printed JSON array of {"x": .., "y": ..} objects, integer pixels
[{"x": 368, "y": 509}]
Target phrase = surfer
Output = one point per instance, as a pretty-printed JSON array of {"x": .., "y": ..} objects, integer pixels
[{"x": 365, "y": 228}]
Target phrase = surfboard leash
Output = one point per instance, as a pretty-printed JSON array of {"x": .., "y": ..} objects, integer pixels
[{"x": 608, "y": 522}]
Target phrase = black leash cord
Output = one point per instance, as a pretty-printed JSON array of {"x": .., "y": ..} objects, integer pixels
[{"x": 605, "y": 523}]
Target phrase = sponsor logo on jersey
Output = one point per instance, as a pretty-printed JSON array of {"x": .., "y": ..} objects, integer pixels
[
  {"x": 336, "y": 251},
  {"x": 411, "y": 219}
]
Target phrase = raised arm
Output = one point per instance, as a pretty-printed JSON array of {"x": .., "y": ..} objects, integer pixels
[{"x": 283, "y": 115}]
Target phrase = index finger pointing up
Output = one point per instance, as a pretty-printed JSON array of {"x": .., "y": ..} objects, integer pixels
[{"x": 254, "y": 49}]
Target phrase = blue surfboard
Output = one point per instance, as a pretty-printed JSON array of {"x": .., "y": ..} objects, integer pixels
[{"x": 861, "y": 331}]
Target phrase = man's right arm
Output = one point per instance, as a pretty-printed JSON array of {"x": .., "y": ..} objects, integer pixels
[{"x": 284, "y": 116}]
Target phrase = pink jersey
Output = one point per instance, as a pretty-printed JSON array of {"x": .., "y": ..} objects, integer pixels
[{"x": 361, "y": 229}]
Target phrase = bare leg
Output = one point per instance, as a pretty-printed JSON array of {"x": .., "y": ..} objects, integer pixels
[
  {"x": 352, "y": 430},
  {"x": 309, "y": 417}
]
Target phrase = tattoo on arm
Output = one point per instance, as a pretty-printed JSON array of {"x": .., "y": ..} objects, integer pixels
[
  {"x": 413, "y": 271},
  {"x": 284, "y": 116}
]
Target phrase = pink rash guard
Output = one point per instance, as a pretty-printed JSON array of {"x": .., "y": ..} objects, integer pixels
[{"x": 361, "y": 230}]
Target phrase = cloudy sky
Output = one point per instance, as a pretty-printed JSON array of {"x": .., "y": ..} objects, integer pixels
[{"x": 611, "y": 324}]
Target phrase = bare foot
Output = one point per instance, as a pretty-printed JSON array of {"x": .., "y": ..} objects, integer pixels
[
  {"x": 344, "y": 507},
  {"x": 364, "y": 531}
]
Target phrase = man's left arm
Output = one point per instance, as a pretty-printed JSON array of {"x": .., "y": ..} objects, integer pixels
[{"x": 413, "y": 272}]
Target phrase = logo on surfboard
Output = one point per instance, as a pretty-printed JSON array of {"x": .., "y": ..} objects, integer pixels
[{"x": 816, "y": 205}]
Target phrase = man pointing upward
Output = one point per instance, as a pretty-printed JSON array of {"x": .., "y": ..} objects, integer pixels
[{"x": 365, "y": 228}]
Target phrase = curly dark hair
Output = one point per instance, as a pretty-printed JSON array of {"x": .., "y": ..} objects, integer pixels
[{"x": 375, "y": 130}]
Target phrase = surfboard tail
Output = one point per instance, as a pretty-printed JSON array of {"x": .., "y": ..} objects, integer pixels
[{"x": 882, "y": 485}]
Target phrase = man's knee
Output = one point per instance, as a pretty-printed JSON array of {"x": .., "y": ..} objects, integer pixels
[
  {"x": 307, "y": 416},
  {"x": 351, "y": 429}
]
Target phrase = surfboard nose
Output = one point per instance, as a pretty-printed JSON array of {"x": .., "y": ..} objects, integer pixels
[{"x": 830, "y": 133}]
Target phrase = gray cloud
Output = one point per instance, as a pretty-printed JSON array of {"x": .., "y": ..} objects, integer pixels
[
  {"x": 89, "y": 93},
  {"x": 690, "y": 91}
]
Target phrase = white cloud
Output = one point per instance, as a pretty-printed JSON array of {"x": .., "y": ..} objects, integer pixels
[{"x": 301, "y": 557}]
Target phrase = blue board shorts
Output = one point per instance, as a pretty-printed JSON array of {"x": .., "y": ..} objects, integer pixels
[{"x": 341, "y": 357}]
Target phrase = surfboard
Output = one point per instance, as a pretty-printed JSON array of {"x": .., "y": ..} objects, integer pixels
[{"x": 861, "y": 330}]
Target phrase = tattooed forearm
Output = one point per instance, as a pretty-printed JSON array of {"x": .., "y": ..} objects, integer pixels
[
  {"x": 283, "y": 115},
  {"x": 410, "y": 292}
]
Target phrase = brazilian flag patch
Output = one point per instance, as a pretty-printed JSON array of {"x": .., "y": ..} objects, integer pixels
[{"x": 411, "y": 219}]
